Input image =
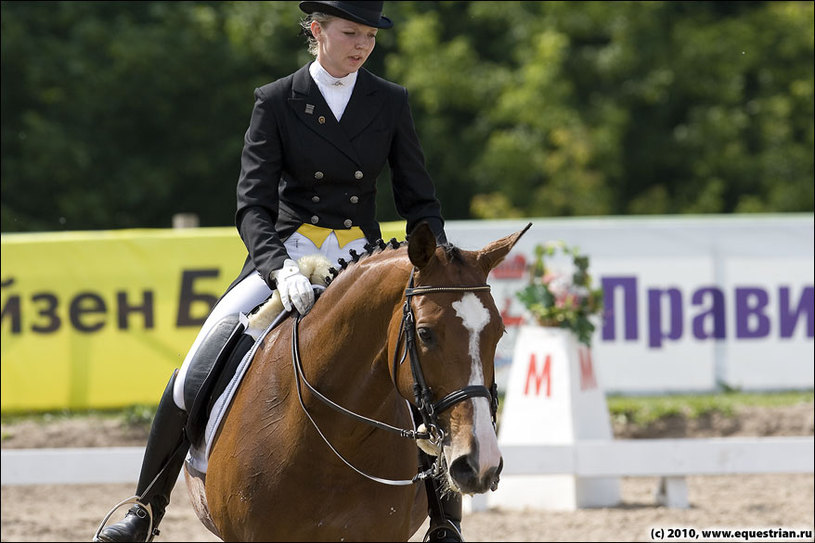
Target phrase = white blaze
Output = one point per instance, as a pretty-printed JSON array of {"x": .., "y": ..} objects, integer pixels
[{"x": 475, "y": 317}]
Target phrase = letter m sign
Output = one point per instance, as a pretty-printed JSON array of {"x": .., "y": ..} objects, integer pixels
[{"x": 536, "y": 376}]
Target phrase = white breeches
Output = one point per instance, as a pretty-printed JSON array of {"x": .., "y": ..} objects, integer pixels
[{"x": 253, "y": 290}]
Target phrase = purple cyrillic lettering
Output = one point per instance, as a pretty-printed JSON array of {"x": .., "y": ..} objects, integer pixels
[
  {"x": 715, "y": 315},
  {"x": 655, "y": 332},
  {"x": 629, "y": 313},
  {"x": 751, "y": 302},
  {"x": 788, "y": 318}
]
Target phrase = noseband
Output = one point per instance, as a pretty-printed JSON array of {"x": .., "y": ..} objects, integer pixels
[{"x": 423, "y": 394}]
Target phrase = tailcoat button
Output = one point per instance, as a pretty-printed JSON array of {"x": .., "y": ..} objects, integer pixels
[
  {"x": 318, "y": 175},
  {"x": 354, "y": 199},
  {"x": 358, "y": 174},
  {"x": 315, "y": 199},
  {"x": 348, "y": 223},
  {"x": 315, "y": 219}
]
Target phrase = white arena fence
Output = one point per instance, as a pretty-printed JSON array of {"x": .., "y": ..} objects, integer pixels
[{"x": 670, "y": 459}]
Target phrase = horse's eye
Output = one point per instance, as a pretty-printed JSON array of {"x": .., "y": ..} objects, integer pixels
[{"x": 426, "y": 335}]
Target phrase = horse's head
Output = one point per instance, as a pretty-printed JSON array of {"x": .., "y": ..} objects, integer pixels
[{"x": 455, "y": 327}]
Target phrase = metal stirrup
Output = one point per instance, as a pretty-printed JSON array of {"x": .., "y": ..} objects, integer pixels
[
  {"x": 136, "y": 500},
  {"x": 449, "y": 526}
]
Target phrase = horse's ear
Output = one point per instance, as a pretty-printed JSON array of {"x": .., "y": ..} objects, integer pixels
[
  {"x": 492, "y": 255},
  {"x": 421, "y": 245}
]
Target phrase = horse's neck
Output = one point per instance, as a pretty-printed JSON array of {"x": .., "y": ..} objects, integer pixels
[
  {"x": 348, "y": 328},
  {"x": 366, "y": 293}
]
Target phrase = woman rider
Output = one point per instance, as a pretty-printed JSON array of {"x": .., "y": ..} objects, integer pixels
[{"x": 316, "y": 143}]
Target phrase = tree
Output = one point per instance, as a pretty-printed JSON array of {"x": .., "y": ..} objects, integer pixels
[{"x": 121, "y": 114}]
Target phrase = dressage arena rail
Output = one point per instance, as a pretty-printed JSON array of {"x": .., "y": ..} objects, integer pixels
[{"x": 669, "y": 459}]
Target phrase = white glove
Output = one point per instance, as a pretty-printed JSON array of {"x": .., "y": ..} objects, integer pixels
[{"x": 294, "y": 287}]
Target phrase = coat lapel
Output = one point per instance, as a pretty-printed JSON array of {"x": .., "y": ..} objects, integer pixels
[
  {"x": 363, "y": 106},
  {"x": 310, "y": 106}
]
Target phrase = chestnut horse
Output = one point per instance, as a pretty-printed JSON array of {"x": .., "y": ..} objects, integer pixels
[{"x": 319, "y": 441}]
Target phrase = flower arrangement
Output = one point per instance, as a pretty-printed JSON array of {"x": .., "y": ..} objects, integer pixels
[{"x": 564, "y": 299}]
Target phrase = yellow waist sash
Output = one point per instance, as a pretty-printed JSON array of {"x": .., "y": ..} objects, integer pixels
[{"x": 318, "y": 234}]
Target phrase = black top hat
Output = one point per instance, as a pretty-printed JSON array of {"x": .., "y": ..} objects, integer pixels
[{"x": 363, "y": 12}]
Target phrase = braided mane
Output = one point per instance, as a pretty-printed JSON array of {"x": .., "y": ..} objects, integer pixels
[
  {"x": 370, "y": 249},
  {"x": 452, "y": 252}
]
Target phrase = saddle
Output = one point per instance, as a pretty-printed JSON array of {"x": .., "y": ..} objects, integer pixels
[{"x": 215, "y": 363}]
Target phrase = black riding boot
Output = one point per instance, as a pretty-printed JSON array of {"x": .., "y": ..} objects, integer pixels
[
  {"x": 444, "y": 510},
  {"x": 449, "y": 527},
  {"x": 165, "y": 453}
]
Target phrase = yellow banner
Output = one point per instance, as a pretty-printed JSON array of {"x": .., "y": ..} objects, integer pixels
[{"x": 95, "y": 320}]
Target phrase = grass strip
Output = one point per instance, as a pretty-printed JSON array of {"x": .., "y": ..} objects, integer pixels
[{"x": 645, "y": 410}]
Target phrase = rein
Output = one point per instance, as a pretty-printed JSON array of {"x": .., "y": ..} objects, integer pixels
[
  {"x": 423, "y": 394},
  {"x": 411, "y": 434}
]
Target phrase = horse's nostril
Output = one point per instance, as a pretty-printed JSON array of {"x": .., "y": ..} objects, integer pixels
[
  {"x": 494, "y": 475},
  {"x": 463, "y": 471}
]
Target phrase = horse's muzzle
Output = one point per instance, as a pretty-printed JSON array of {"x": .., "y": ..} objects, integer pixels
[{"x": 464, "y": 472}]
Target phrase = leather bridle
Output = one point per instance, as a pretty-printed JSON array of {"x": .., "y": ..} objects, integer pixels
[
  {"x": 423, "y": 394},
  {"x": 428, "y": 409}
]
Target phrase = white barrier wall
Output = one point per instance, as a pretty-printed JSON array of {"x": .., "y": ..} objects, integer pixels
[
  {"x": 536, "y": 413},
  {"x": 690, "y": 302}
]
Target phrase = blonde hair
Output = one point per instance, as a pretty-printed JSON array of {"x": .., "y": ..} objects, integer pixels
[{"x": 305, "y": 24}]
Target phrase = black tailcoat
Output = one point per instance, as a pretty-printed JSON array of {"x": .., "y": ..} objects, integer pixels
[{"x": 299, "y": 165}]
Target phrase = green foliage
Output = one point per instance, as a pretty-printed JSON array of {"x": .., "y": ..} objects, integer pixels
[
  {"x": 560, "y": 299},
  {"x": 134, "y": 415},
  {"x": 139, "y": 415},
  {"x": 121, "y": 114},
  {"x": 37, "y": 416},
  {"x": 643, "y": 410},
  {"x": 638, "y": 410}
]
